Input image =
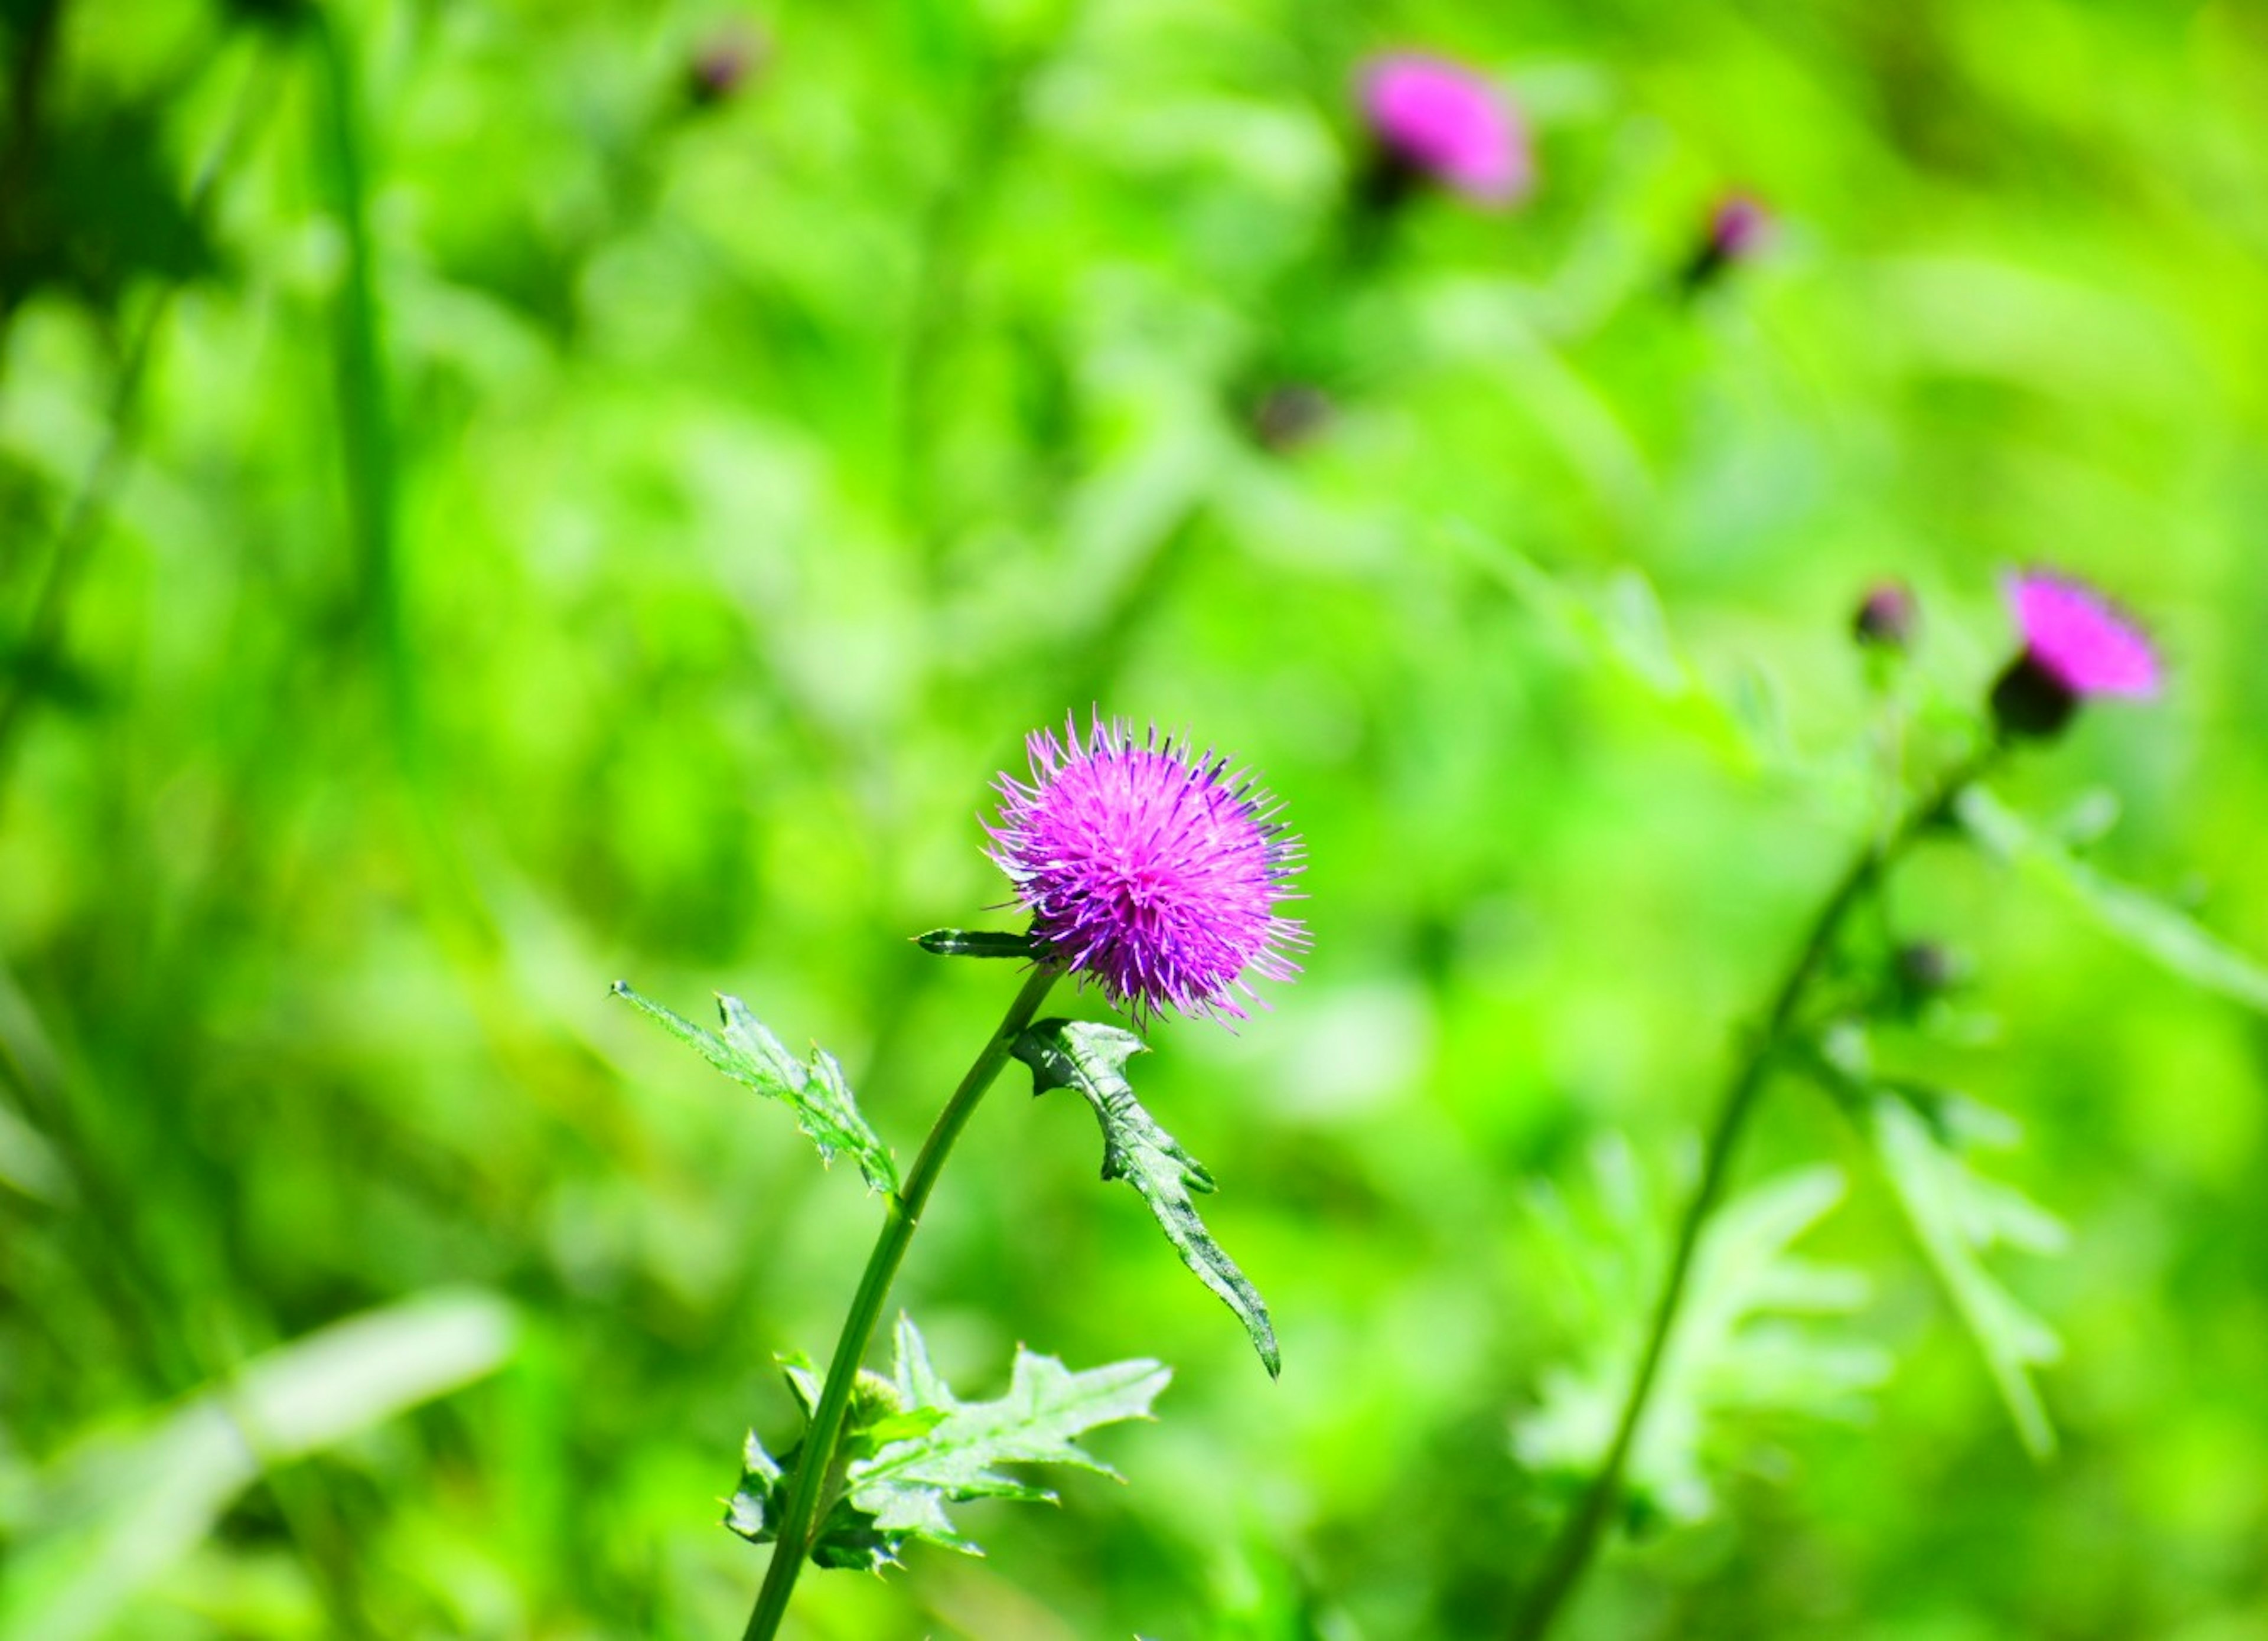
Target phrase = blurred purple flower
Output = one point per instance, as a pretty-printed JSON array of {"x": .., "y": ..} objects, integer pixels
[
  {"x": 2076, "y": 644},
  {"x": 1737, "y": 229},
  {"x": 1150, "y": 871},
  {"x": 2079, "y": 636},
  {"x": 1448, "y": 123}
]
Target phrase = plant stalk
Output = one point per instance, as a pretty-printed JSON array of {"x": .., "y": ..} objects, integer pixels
[
  {"x": 1578, "y": 1541},
  {"x": 799, "y": 1522}
]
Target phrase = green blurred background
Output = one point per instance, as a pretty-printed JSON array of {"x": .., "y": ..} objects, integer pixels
[{"x": 478, "y": 518}]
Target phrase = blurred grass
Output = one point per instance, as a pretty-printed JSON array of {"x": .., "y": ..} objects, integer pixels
[{"x": 733, "y": 486}]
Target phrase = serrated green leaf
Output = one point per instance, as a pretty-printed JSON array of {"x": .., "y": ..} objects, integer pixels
[
  {"x": 915, "y": 1448},
  {"x": 2171, "y": 938},
  {"x": 907, "y": 1484},
  {"x": 756, "y": 1504},
  {"x": 1091, "y": 1060},
  {"x": 1957, "y": 1215},
  {"x": 976, "y": 943},
  {"x": 814, "y": 1090},
  {"x": 1747, "y": 1341}
]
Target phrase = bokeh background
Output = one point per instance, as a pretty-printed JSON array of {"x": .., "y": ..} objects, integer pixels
[{"x": 495, "y": 498}]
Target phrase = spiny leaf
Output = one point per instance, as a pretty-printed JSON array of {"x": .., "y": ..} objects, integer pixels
[
  {"x": 976, "y": 943},
  {"x": 2159, "y": 931},
  {"x": 1957, "y": 1215},
  {"x": 815, "y": 1093},
  {"x": 1735, "y": 1348},
  {"x": 1091, "y": 1059},
  {"x": 915, "y": 1448}
]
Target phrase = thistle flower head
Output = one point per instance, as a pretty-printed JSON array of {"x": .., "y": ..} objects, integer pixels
[
  {"x": 1153, "y": 872},
  {"x": 2081, "y": 637},
  {"x": 1448, "y": 123},
  {"x": 2076, "y": 644}
]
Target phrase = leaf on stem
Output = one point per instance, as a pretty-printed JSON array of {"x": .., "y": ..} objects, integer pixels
[
  {"x": 1958, "y": 1215},
  {"x": 977, "y": 943},
  {"x": 1091, "y": 1060},
  {"x": 913, "y": 1448},
  {"x": 2160, "y": 931},
  {"x": 1737, "y": 1348},
  {"x": 815, "y": 1090}
]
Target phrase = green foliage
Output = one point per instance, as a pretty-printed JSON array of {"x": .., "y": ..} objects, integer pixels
[
  {"x": 2161, "y": 932},
  {"x": 122, "y": 1513},
  {"x": 816, "y": 1091},
  {"x": 1924, "y": 1140},
  {"x": 912, "y": 1447},
  {"x": 1090, "y": 1059},
  {"x": 1958, "y": 1215},
  {"x": 1738, "y": 1353},
  {"x": 976, "y": 943},
  {"x": 739, "y": 489}
]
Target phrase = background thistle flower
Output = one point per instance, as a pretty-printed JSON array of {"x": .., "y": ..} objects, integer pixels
[
  {"x": 1150, "y": 871},
  {"x": 2076, "y": 644},
  {"x": 1438, "y": 119}
]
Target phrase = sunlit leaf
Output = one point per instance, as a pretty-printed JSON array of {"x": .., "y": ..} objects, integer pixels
[
  {"x": 1091, "y": 1060},
  {"x": 915, "y": 1448},
  {"x": 814, "y": 1090},
  {"x": 2160, "y": 931},
  {"x": 1741, "y": 1343},
  {"x": 976, "y": 943},
  {"x": 1622, "y": 627},
  {"x": 116, "y": 1517},
  {"x": 1958, "y": 1215}
]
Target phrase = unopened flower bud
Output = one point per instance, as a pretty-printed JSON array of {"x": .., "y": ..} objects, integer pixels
[
  {"x": 1925, "y": 968},
  {"x": 1737, "y": 229},
  {"x": 1289, "y": 414},
  {"x": 719, "y": 69},
  {"x": 1886, "y": 617}
]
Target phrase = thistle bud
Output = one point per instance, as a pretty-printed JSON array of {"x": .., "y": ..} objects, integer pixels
[{"x": 1886, "y": 617}]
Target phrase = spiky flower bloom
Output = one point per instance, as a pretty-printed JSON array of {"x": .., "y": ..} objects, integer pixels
[
  {"x": 1150, "y": 871},
  {"x": 2076, "y": 644},
  {"x": 1439, "y": 120}
]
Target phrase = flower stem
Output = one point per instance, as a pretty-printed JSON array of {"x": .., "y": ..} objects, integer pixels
[
  {"x": 798, "y": 1527},
  {"x": 1578, "y": 1541}
]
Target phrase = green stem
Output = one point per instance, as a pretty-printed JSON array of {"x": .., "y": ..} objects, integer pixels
[
  {"x": 799, "y": 1522},
  {"x": 1578, "y": 1542}
]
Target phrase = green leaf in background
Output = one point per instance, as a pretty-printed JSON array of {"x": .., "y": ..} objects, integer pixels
[
  {"x": 915, "y": 1447},
  {"x": 1624, "y": 627},
  {"x": 976, "y": 943},
  {"x": 2170, "y": 937},
  {"x": 816, "y": 1092},
  {"x": 114, "y": 1517},
  {"x": 1091, "y": 1059},
  {"x": 1735, "y": 1348},
  {"x": 1957, "y": 1215}
]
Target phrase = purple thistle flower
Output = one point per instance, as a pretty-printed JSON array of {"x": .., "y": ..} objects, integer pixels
[
  {"x": 2076, "y": 644},
  {"x": 1150, "y": 871},
  {"x": 1445, "y": 121}
]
